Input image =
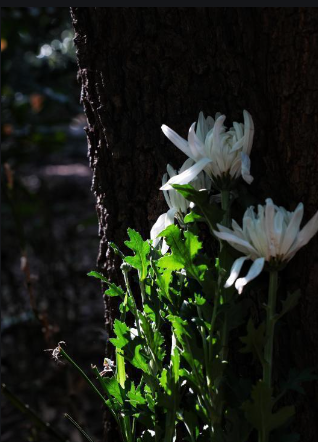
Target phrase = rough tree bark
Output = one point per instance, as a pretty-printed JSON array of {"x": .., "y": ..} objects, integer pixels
[{"x": 142, "y": 67}]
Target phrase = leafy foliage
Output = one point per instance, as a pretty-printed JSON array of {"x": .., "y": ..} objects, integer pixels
[
  {"x": 259, "y": 410},
  {"x": 140, "y": 260}
]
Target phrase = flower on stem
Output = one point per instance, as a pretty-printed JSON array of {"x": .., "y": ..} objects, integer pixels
[
  {"x": 222, "y": 154},
  {"x": 272, "y": 235},
  {"x": 178, "y": 205}
]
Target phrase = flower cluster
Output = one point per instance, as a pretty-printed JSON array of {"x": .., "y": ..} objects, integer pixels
[
  {"x": 218, "y": 157},
  {"x": 272, "y": 235},
  {"x": 222, "y": 154}
]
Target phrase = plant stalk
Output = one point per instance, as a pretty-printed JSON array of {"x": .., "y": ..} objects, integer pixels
[
  {"x": 268, "y": 351},
  {"x": 270, "y": 324},
  {"x": 225, "y": 204}
]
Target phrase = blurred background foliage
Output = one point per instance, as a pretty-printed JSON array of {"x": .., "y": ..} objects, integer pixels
[{"x": 49, "y": 227}]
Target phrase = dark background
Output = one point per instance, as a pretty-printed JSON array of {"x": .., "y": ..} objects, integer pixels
[{"x": 49, "y": 217}]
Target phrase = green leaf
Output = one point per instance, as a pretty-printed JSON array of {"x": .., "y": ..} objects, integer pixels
[
  {"x": 175, "y": 360},
  {"x": 114, "y": 290},
  {"x": 163, "y": 280},
  {"x": 180, "y": 327},
  {"x": 113, "y": 389},
  {"x": 282, "y": 436},
  {"x": 290, "y": 302},
  {"x": 238, "y": 429},
  {"x": 254, "y": 340},
  {"x": 98, "y": 276},
  {"x": 116, "y": 250},
  {"x": 296, "y": 378},
  {"x": 141, "y": 248},
  {"x": 131, "y": 348},
  {"x": 212, "y": 213},
  {"x": 258, "y": 411},
  {"x": 193, "y": 217},
  {"x": 123, "y": 334},
  {"x": 199, "y": 300},
  {"x": 135, "y": 397},
  {"x": 183, "y": 251}
]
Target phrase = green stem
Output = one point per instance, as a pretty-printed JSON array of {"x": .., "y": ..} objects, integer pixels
[
  {"x": 126, "y": 279},
  {"x": 90, "y": 383},
  {"x": 204, "y": 341},
  {"x": 80, "y": 429},
  {"x": 270, "y": 324},
  {"x": 214, "y": 313},
  {"x": 142, "y": 290},
  {"x": 225, "y": 204},
  {"x": 268, "y": 351}
]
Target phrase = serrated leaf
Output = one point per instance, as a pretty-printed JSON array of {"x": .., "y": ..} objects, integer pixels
[
  {"x": 290, "y": 302},
  {"x": 238, "y": 429},
  {"x": 193, "y": 217},
  {"x": 258, "y": 411},
  {"x": 211, "y": 212},
  {"x": 114, "y": 389},
  {"x": 163, "y": 280},
  {"x": 123, "y": 334},
  {"x": 183, "y": 251},
  {"x": 281, "y": 436},
  {"x": 135, "y": 397},
  {"x": 154, "y": 338},
  {"x": 254, "y": 340},
  {"x": 141, "y": 248},
  {"x": 296, "y": 378},
  {"x": 180, "y": 327},
  {"x": 114, "y": 290},
  {"x": 131, "y": 348},
  {"x": 199, "y": 299}
]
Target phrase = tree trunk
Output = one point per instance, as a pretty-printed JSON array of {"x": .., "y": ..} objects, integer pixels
[{"x": 144, "y": 67}]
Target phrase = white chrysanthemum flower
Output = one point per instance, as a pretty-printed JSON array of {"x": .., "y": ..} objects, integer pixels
[
  {"x": 178, "y": 205},
  {"x": 271, "y": 235},
  {"x": 222, "y": 154}
]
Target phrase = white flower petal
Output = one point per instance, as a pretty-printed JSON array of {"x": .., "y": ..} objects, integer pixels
[
  {"x": 188, "y": 163},
  {"x": 236, "y": 146},
  {"x": 305, "y": 235},
  {"x": 235, "y": 240},
  {"x": 188, "y": 175},
  {"x": 171, "y": 171},
  {"x": 196, "y": 146},
  {"x": 253, "y": 272},
  {"x": 235, "y": 271},
  {"x": 248, "y": 132},
  {"x": 170, "y": 217},
  {"x": 201, "y": 130},
  {"x": 217, "y": 131},
  {"x": 292, "y": 229},
  {"x": 269, "y": 226},
  {"x": 245, "y": 168},
  {"x": 181, "y": 143},
  {"x": 157, "y": 228}
]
